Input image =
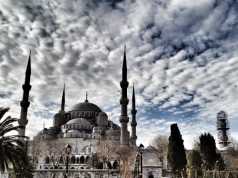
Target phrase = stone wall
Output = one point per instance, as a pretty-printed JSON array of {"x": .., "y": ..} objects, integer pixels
[
  {"x": 77, "y": 174},
  {"x": 43, "y": 148}
]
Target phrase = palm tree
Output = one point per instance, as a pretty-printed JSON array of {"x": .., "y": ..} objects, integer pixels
[{"x": 12, "y": 146}]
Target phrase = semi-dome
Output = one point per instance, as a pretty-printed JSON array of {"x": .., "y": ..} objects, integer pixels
[
  {"x": 78, "y": 124},
  {"x": 86, "y": 107},
  {"x": 102, "y": 119}
]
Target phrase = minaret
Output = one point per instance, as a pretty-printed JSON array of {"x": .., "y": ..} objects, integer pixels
[
  {"x": 124, "y": 102},
  {"x": 63, "y": 100},
  {"x": 86, "y": 97},
  {"x": 59, "y": 117},
  {"x": 25, "y": 100},
  {"x": 133, "y": 122}
]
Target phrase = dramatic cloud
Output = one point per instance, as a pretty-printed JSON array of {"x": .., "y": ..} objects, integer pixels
[{"x": 182, "y": 57}]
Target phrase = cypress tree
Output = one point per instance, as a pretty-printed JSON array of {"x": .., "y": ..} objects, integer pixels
[
  {"x": 208, "y": 150},
  {"x": 176, "y": 152}
]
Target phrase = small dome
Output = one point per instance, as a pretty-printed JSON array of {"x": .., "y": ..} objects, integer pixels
[
  {"x": 114, "y": 126},
  {"x": 86, "y": 106},
  {"x": 102, "y": 119},
  {"x": 78, "y": 124}
]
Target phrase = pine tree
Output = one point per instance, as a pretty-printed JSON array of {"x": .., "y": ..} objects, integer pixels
[{"x": 176, "y": 152}]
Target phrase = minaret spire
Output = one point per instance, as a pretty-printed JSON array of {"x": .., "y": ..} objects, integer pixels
[
  {"x": 63, "y": 100},
  {"x": 86, "y": 97},
  {"x": 124, "y": 67},
  {"x": 124, "y": 102},
  {"x": 133, "y": 122},
  {"x": 25, "y": 99},
  {"x": 59, "y": 118}
]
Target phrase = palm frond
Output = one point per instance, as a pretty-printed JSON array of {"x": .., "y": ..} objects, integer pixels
[
  {"x": 12, "y": 146},
  {"x": 3, "y": 111},
  {"x": 7, "y": 121},
  {"x": 8, "y": 129}
]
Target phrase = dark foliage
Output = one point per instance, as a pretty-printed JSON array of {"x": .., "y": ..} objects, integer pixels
[
  {"x": 195, "y": 159},
  {"x": 12, "y": 147},
  {"x": 208, "y": 152},
  {"x": 194, "y": 163},
  {"x": 176, "y": 152},
  {"x": 220, "y": 164},
  {"x": 24, "y": 169}
]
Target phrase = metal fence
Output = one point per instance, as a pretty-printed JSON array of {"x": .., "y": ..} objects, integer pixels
[
  {"x": 214, "y": 174},
  {"x": 221, "y": 174}
]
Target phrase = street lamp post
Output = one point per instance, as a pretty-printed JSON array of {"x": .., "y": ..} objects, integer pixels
[
  {"x": 137, "y": 166},
  {"x": 67, "y": 150},
  {"x": 141, "y": 150}
]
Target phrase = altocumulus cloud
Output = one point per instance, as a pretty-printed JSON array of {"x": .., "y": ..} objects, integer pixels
[{"x": 182, "y": 57}]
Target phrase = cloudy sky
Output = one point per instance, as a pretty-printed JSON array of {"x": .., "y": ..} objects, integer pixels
[{"x": 182, "y": 57}]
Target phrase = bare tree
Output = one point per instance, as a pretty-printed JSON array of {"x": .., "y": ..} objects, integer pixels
[
  {"x": 127, "y": 157},
  {"x": 160, "y": 142},
  {"x": 42, "y": 149},
  {"x": 106, "y": 149},
  {"x": 234, "y": 143}
]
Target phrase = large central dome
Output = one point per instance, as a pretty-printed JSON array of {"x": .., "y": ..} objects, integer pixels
[
  {"x": 86, "y": 110},
  {"x": 86, "y": 106}
]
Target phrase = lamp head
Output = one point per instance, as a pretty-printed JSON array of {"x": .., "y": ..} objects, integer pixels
[{"x": 141, "y": 148}]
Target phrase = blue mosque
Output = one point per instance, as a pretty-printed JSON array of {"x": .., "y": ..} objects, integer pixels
[{"x": 72, "y": 147}]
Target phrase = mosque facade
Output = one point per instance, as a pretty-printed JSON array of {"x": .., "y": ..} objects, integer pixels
[{"x": 72, "y": 146}]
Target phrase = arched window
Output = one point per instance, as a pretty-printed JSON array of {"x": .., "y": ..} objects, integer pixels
[
  {"x": 100, "y": 165},
  {"x": 61, "y": 160},
  {"x": 109, "y": 165},
  {"x": 87, "y": 160},
  {"x": 73, "y": 159},
  {"x": 81, "y": 160},
  {"x": 115, "y": 165},
  {"x": 47, "y": 160},
  {"x": 151, "y": 175},
  {"x": 77, "y": 160}
]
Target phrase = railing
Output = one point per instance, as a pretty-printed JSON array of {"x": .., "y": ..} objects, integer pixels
[
  {"x": 213, "y": 174},
  {"x": 221, "y": 174},
  {"x": 78, "y": 170}
]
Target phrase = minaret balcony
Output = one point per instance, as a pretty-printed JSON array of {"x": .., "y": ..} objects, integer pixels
[{"x": 124, "y": 83}]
